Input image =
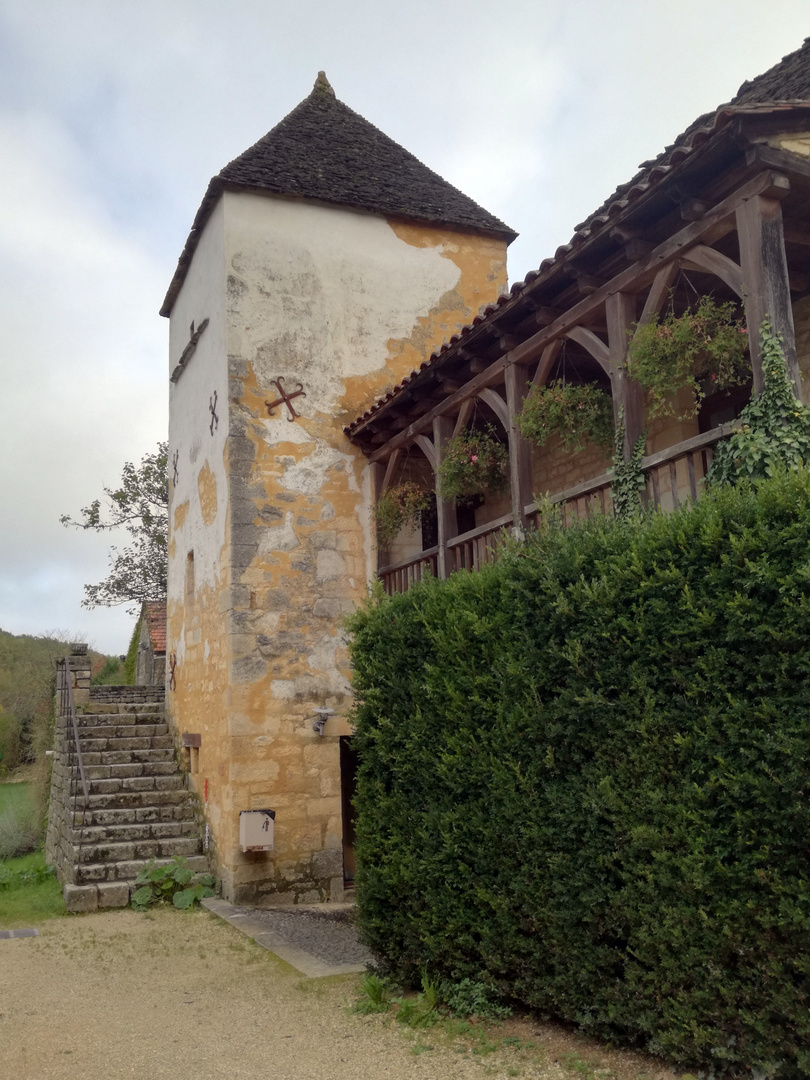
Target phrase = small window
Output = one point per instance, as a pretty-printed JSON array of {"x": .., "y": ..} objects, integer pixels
[{"x": 190, "y": 579}]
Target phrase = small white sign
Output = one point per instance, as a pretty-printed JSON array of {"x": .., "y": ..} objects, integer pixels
[{"x": 256, "y": 830}]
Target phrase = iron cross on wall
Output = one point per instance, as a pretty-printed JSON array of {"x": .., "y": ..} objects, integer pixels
[{"x": 285, "y": 398}]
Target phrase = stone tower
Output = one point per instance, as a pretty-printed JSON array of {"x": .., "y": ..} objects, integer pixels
[{"x": 323, "y": 265}]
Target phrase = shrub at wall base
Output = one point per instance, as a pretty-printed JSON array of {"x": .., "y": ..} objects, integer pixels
[{"x": 584, "y": 775}]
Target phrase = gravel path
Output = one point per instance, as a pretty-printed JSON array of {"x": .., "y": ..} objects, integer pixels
[{"x": 126, "y": 996}]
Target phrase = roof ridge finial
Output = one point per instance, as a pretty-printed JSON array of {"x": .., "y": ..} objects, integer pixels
[{"x": 322, "y": 85}]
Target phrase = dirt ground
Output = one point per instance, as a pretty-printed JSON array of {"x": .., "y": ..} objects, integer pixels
[{"x": 123, "y": 995}]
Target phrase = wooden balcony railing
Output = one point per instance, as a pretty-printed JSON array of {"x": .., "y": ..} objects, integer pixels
[
  {"x": 673, "y": 476},
  {"x": 471, "y": 550},
  {"x": 398, "y": 577}
]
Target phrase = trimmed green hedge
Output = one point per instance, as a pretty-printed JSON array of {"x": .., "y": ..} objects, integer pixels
[{"x": 584, "y": 778}]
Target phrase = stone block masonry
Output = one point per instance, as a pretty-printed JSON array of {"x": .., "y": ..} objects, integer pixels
[{"x": 138, "y": 807}]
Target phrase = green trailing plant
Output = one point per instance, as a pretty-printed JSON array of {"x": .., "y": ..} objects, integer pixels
[
  {"x": 399, "y": 506},
  {"x": 627, "y": 479},
  {"x": 578, "y": 414},
  {"x": 774, "y": 430},
  {"x": 704, "y": 348},
  {"x": 175, "y": 882},
  {"x": 474, "y": 463},
  {"x": 583, "y": 778}
]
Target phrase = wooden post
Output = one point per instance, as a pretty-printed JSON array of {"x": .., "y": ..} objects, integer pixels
[
  {"x": 377, "y": 479},
  {"x": 766, "y": 287},
  {"x": 445, "y": 508},
  {"x": 520, "y": 464},
  {"x": 627, "y": 395}
]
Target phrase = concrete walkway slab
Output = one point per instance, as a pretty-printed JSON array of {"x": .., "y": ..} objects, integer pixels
[{"x": 317, "y": 939}]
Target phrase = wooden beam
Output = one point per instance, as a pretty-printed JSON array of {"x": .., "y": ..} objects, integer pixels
[
  {"x": 628, "y": 398},
  {"x": 464, "y": 414},
  {"x": 520, "y": 462},
  {"x": 635, "y": 248},
  {"x": 547, "y": 361},
  {"x": 543, "y": 315},
  {"x": 588, "y": 284},
  {"x": 709, "y": 261},
  {"x": 659, "y": 293},
  {"x": 427, "y": 448},
  {"x": 389, "y": 471},
  {"x": 497, "y": 404},
  {"x": 716, "y": 223},
  {"x": 796, "y": 233},
  {"x": 378, "y": 471},
  {"x": 766, "y": 286},
  {"x": 594, "y": 345},
  {"x": 445, "y": 508},
  {"x": 693, "y": 209},
  {"x": 782, "y": 160}
]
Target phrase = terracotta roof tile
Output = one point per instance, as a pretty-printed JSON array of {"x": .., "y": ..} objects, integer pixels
[{"x": 154, "y": 612}]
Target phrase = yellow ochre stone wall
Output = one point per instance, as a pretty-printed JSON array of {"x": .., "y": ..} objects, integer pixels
[{"x": 345, "y": 305}]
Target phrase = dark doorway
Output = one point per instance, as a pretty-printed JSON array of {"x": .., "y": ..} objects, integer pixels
[{"x": 348, "y": 785}]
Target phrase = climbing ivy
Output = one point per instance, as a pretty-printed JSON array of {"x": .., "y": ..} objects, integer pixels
[
  {"x": 627, "y": 479},
  {"x": 774, "y": 428}
]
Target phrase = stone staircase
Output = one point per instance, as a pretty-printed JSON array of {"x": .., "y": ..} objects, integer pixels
[{"x": 139, "y": 805}]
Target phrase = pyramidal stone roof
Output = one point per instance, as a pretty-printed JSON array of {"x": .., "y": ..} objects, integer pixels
[{"x": 324, "y": 150}]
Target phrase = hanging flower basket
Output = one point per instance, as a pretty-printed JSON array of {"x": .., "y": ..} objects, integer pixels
[
  {"x": 705, "y": 349},
  {"x": 474, "y": 463},
  {"x": 578, "y": 414},
  {"x": 399, "y": 506}
]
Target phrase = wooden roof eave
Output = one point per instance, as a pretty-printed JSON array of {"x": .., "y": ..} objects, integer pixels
[{"x": 715, "y": 223}]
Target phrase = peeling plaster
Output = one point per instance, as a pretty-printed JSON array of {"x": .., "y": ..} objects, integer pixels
[{"x": 279, "y": 537}]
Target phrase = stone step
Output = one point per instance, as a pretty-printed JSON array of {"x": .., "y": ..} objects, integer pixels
[
  {"x": 113, "y": 852},
  {"x": 137, "y": 783},
  {"x": 125, "y": 771},
  {"x": 114, "y": 708},
  {"x": 127, "y": 757},
  {"x": 105, "y": 732},
  {"x": 128, "y": 870},
  {"x": 121, "y": 800},
  {"x": 87, "y": 726},
  {"x": 146, "y": 742},
  {"x": 128, "y": 833},
  {"x": 182, "y": 810}
]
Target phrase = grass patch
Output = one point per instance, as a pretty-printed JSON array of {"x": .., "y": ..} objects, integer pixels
[
  {"x": 28, "y": 893},
  {"x": 20, "y": 826}
]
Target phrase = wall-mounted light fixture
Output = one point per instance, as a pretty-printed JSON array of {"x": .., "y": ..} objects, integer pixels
[{"x": 322, "y": 715}]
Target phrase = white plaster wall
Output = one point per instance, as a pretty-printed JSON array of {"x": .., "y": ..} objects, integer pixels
[
  {"x": 315, "y": 293},
  {"x": 202, "y": 296}
]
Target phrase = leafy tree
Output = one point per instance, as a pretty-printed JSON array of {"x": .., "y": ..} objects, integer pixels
[{"x": 140, "y": 506}]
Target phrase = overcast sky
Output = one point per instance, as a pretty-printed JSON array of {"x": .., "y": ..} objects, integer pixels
[{"x": 113, "y": 116}]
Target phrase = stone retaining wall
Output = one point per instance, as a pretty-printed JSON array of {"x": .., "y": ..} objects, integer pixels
[{"x": 59, "y": 836}]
